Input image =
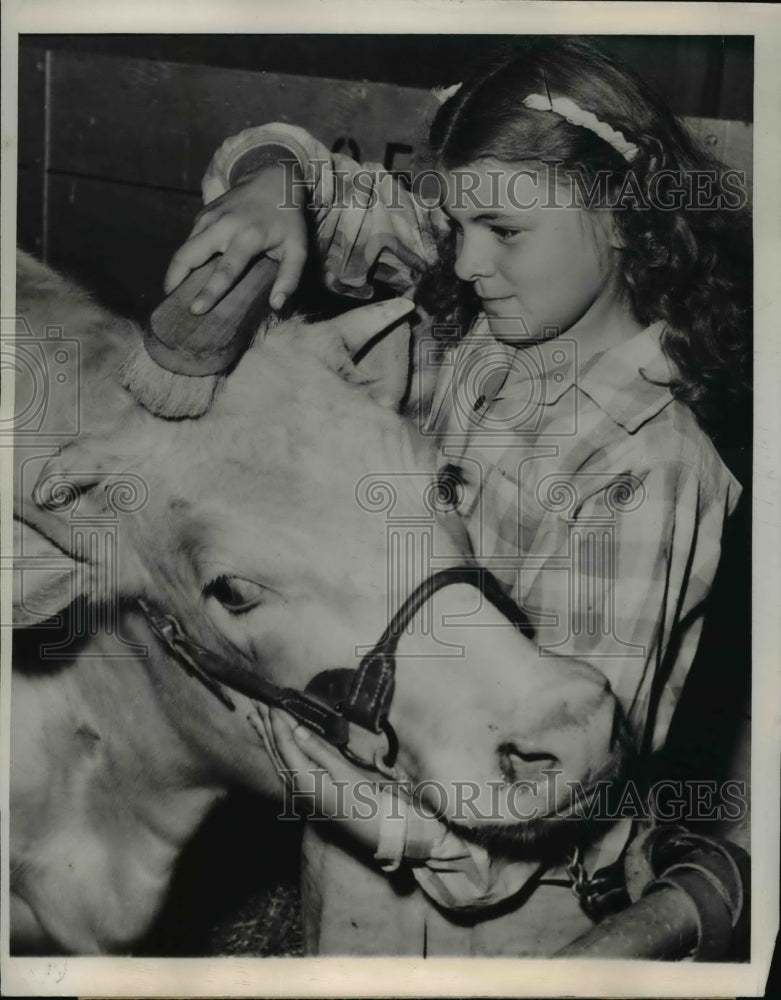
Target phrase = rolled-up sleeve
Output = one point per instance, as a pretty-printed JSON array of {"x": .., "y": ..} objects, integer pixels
[
  {"x": 369, "y": 226},
  {"x": 463, "y": 876}
]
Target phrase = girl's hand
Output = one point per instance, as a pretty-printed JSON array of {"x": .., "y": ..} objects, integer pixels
[
  {"x": 318, "y": 771},
  {"x": 261, "y": 215}
]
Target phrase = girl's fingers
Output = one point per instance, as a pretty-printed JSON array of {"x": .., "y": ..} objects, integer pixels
[
  {"x": 282, "y": 722},
  {"x": 207, "y": 217},
  {"x": 291, "y": 266},
  {"x": 263, "y": 728},
  {"x": 301, "y": 744},
  {"x": 326, "y": 756},
  {"x": 322, "y": 773},
  {"x": 361, "y": 817},
  {"x": 296, "y": 762},
  {"x": 197, "y": 249},
  {"x": 245, "y": 246},
  {"x": 240, "y": 238},
  {"x": 257, "y": 725},
  {"x": 322, "y": 754},
  {"x": 282, "y": 726},
  {"x": 263, "y": 713},
  {"x": 176, "y": 273}
]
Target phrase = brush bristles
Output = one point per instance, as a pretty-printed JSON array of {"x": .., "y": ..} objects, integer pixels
[{"x": 164, "y": 393}]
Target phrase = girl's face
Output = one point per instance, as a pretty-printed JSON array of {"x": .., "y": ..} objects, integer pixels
[{"x": 541, "y": 265}]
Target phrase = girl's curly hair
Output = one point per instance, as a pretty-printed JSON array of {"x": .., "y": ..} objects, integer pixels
[{"x": 687, "y": 256}]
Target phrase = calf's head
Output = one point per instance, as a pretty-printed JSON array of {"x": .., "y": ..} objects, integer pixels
[{"x": 257, "y": 526}]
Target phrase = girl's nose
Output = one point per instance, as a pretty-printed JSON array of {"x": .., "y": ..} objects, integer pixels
[{"x": 473, "y": 258}]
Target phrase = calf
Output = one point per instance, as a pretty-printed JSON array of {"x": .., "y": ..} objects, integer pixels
[{"x": 259, "y": 527}]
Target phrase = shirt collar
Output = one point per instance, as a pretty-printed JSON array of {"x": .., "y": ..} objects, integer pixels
[
  {"x": 630, "y": 381},
  {"x": 627, "y": 382}
]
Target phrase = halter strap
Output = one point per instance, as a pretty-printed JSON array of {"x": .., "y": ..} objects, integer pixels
[
  {"x": 333, "y": 698},
  {"x": 372, "y": 688}
]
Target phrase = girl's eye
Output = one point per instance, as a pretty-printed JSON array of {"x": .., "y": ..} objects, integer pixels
[
  {"x": 235, "y": 594},
  {"x": 506, "y": 235}
]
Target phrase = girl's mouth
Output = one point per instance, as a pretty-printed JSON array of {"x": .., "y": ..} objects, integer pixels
[{"x": 506, "y": 308}]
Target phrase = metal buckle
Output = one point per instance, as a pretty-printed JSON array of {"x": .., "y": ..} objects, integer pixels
[
  {"x": 169, "y": 632},
  {"x": 382, "y": 763},
  {"x": 601, "y": 893},
  {"x": 576, "y": 873}
]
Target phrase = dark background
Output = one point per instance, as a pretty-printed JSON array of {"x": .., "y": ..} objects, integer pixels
[{"x": 710, "y": 76}]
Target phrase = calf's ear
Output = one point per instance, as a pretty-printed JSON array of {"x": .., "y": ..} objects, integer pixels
[
  {"x": 67, "y": 529},
  {"x": 378, "y": 345},
  {"x": 384, "y": 366},
  {"x": 45, "y": 579},
  {"x": 66, "y": 490}
]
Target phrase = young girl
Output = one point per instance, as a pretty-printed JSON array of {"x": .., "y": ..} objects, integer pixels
[{"x": 584, "y": 272}]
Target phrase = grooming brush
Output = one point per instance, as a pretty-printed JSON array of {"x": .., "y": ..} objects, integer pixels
[{"x": 183, "y": 359}]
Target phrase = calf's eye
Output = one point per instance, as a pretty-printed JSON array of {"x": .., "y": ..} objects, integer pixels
[{"x": 235, "y": 594}]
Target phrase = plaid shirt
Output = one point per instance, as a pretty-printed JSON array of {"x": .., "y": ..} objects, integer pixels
[
  {"x": 586, "y": 488},
  {"x": 596, "y": 498}
]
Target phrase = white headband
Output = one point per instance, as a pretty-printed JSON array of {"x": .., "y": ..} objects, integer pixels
[
  {"x": 443, "y": 94},
  {"x": 570, "y": 111}
]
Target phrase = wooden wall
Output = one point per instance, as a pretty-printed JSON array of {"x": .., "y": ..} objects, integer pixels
[{"x": 112, "y": 148}]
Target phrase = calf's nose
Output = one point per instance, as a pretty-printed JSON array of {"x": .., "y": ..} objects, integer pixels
[
  {"x": 524, "y": 762},
  {"x": 574, "y": 738}
]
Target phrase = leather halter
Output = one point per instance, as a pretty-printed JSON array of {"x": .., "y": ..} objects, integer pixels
[{"x": 337, "y": 697}]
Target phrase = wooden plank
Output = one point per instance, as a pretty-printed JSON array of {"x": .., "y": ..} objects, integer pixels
[
  {"x": 117, "y": 239},
  {"x": 29, "y": 211},
  {"x": 736, "y": 101},
  {"x": 31, "y": 177},
  {"x": 158, "y": 124},
  {"x": 406, "y": 60},
  {"x": 691, "y": 68},
  {"x": 32, "y": 97},
  {"x": 729, "y": 141}
]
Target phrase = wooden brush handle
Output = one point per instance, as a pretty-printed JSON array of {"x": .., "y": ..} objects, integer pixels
[{"x": 208, "y": 344}]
